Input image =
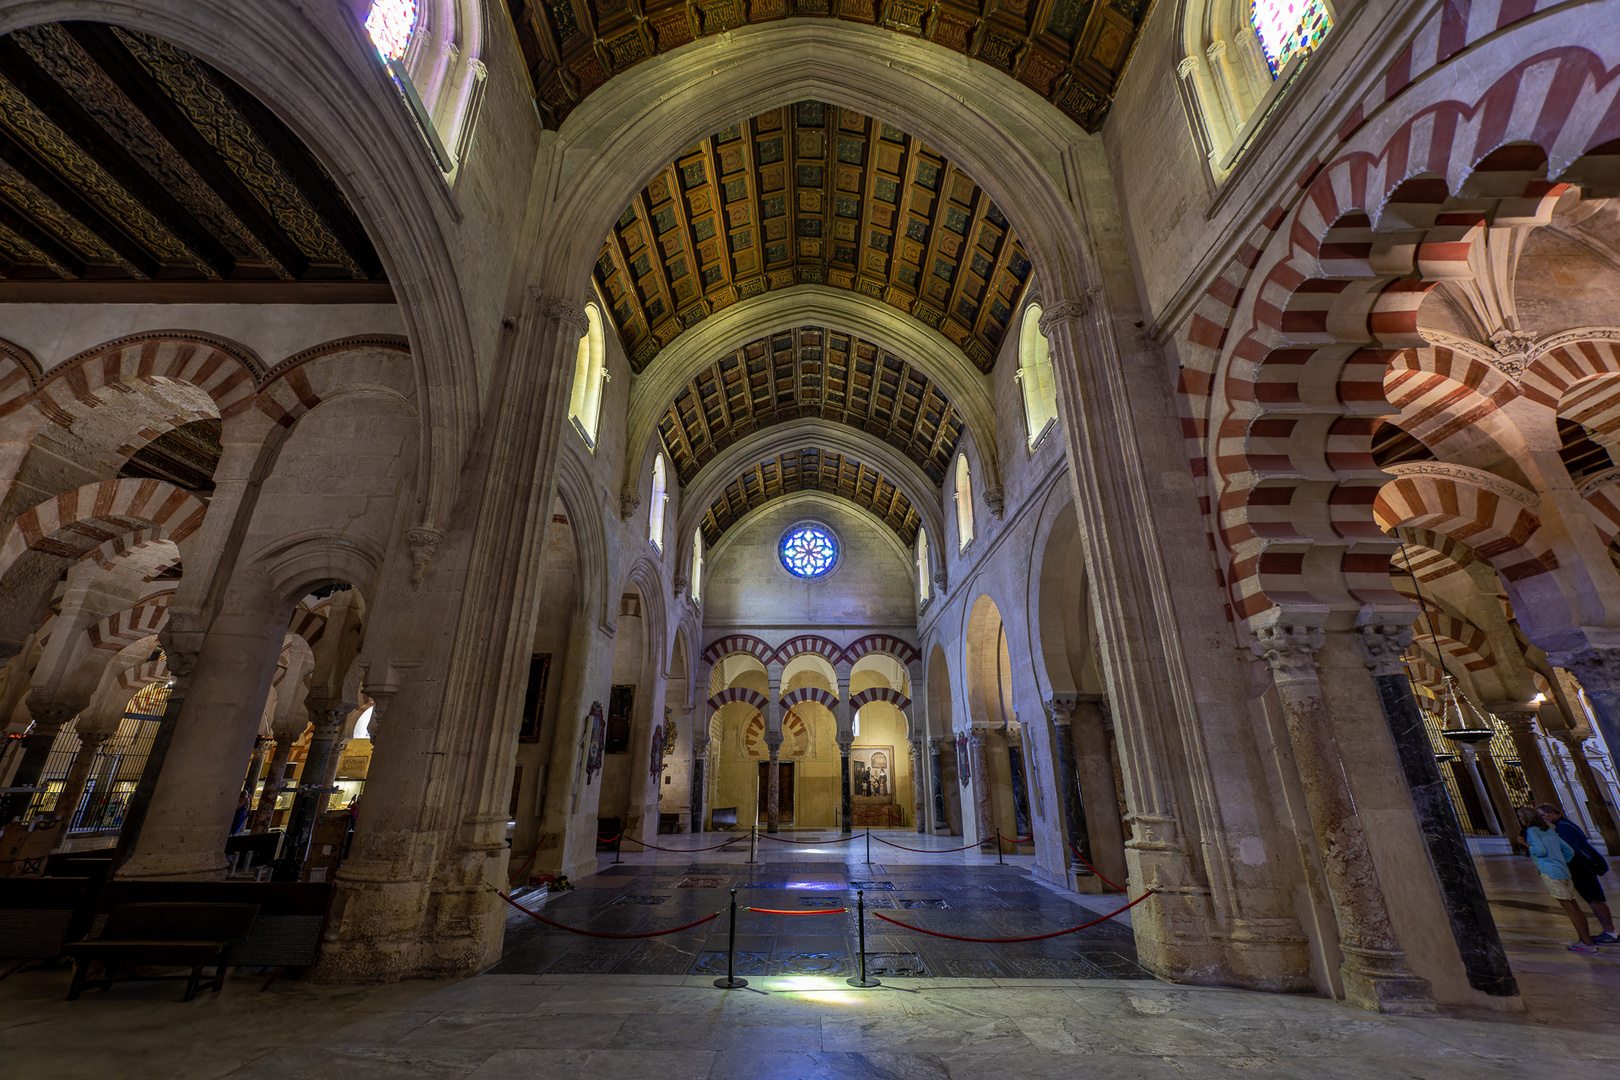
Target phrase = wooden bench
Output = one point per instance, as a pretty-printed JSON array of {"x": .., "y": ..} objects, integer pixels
[
  {"x": 162, "y": 935},
  {"x": 286, "y": 933}
]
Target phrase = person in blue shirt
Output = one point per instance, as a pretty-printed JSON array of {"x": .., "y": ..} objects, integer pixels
[
  {"x": 1585, "y": 869},
  {"x": 1552, "y": 857}
]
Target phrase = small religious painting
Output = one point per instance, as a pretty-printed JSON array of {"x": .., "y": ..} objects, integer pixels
[
  {"x": 534, "y": 698},
  {"x": 962, "y": 770},
  {"x": 669, "y": 734},
  {"x": 596, "y": 729},
  {"x": 657, "y": 747},
  {"x": 871, "y": 774},
  {"x": 621, "y": 704}
]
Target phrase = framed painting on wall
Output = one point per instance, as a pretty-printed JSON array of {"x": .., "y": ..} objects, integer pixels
[
  {"x": 534, "y": 698},
  {"x": 871, "y": 774}
]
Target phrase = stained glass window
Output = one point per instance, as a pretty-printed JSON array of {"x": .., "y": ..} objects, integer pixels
[
  {"x": 809, "y": 550},
  {"x": 390, "y": 25},
  {"x": 1286, "y": 27}
]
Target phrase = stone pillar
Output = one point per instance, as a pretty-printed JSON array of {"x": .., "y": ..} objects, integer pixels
[
  {"x": 326, "y": 718},
  {"x": 700, "y": 751},
  {"x": 78, "y": 775},
  {"x": 1023, "y": 812},
  {"x": 1466, "y": 772},
  {"x": 983, "y": 805},
  {"x": 773, "y": 782},
  {"x": 1374, "y": 970},
  {"x": 181, "y": 665},
  {"x": 274, "y": 781},
  {"x": 937, "y": 771},
  {"x": 1520, "y": 723},
  {"x": 1472, "y": 926},
  {"x": 1061, "y": 709},
  {"x": 1596, "y": 804},
  {"x": 1480, "y": 758},
  {"x": 256, "y": 763},
  {"x": 1100, "y": 786},
  {"x": 846, "y": 801},
  {"x": 919, "y": 793},
  {"x": 49, "y": 718}
]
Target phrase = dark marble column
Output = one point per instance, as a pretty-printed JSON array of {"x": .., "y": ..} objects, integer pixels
[
  {"x": 773, "y": 782},
  {"x": 983, "y": 791},
  {"x": 1520, "y": 723},
  {"x": 326, "y": 718},
  {"x": 1472, "y": 926},
  {"x": 699, "y": 761},
  {"x": 1020, "y": 790},
  {"x": 937, "y": 770},
  {"x": 845, "y": 801},
  {"x": 1061, "y": 708},
  {"x": 919, "y": 793},
  {"x": 1375, "y": 971},
  {"x": 274, "y": 780}
]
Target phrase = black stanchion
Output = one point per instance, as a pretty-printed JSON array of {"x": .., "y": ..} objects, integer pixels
[
  {"x": 998, "y": 849},
  {"x": 731, "y": 982},
  {"x": 868, "y": 847},
  {"x": 618, "y": 845},
  {"x": 860, "y": 914},
  {"x": 753, "y": 838}
]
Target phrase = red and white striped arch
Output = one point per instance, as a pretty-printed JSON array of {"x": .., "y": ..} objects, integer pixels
[
  {"x": 810, "y": 693},
  {"x": 879, "y": 693},
  {"x": 75, "y": 523},
  {"x": 1501, "y": 530},
  {"x": 738, "y": 693}
]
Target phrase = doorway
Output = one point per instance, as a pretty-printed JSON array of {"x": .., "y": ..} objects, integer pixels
[{"x": 784, "y": 808}]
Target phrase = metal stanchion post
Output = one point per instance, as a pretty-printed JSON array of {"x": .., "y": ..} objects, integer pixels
[
  {"x": 998, "y": 849},
  {"x": 753, "y": 833},
  {"x": 868, "y": 847},
  {"x": 731, "y": 982},
  {"x": 618, "y": 845},
  {"x": 860, "y": 909}
]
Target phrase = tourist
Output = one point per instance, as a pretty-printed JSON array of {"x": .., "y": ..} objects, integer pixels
[
  {"x": 1552, "y": 857},
  {"x": 1584, "y": 869},
  {"x": 240, "y": 820}
]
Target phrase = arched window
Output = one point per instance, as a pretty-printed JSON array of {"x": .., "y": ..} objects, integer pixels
[
  {"x": 697, "y": 566},
  {"x": 660, "y": 498},
  {"x": 585, "y": 408},
  {"x": 1035, "y": 376},
  {"x": 922, "y": 566},
  {"x": 964, "y": 504},
  {"x": 432, "y": 49},
  {"x": 1239, "y": 57}
]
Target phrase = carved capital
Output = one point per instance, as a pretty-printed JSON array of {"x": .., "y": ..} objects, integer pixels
[
  {"x": 1513, "y": 344},
  {"x": 424, "y": 541},
  {"x": 1061, "y": 311},
  {"x": 629, "y": 500},
  {"x": 678, "y": 584},
  {"x": 773, "y": 739},
  {"x": 1574, "y": 740},
  {"x": 570, "y": 315},
  {"x": 1187, "y": 67},
  {"x": 940, "y": 581},
  {"x": 934, "y": 743},
  {"x": 995, "y": 499},
  {"x": 1061, "y": 709},
  {"x": 1382, "y": 645},
  {"x": 1290, "y": 650},
  {"x": 1518, "y": 718}
]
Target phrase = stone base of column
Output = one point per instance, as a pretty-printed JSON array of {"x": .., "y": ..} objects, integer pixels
[
  {"x": 181, "y": 866},
  {"x": 372, "y": 932},
  {"x": 1270, "y": 955},
  {"x": 1379, "y": 981}
]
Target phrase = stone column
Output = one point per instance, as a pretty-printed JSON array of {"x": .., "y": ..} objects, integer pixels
[
  {"x": 1596, "y": 804},
  {"x": 181, "y": 664},
  {"x": 49, "y": 718},
  {"x": 1374, "y": 970},
  {"x": 773, "y": 782},
  {"x": 919, "y": 793},
  {"x": 1466, "y": 771},
  {"x": 78, "y": 775},
  {"x": 937, "y": 771},
  {"x": 983, "y": 804},
  {"x": 1061, "y": 709},
  {"x": 700, "y": 751},
  {"x": 1479, "y": 757},
  {"x": 846, "y": 801},
  {"x": 1520, "y": 721},
  {"x": 274, "y": 781},
  {"x": 256, "y": 763},
  {"x": 1472, "y": 926},
  {"x": 326, "y": 718}
]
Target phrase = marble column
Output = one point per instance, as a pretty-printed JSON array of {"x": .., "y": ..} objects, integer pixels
[
  {"x": 181, "y": 665},
  {"x": 919, "y": 793},
  {"x": 326, "y": 719},
  {"x": 256, "y": 764},
  {"x": 1520, "y": 721},
  {"x": 846, "y": 801},
  {"x": 1472, "y": 927},
  {"x": 773, "y": 782},
  {"x": 937, "y": 771},
  {"x": 1374, "y": 971},
  {"x": 1466, "y": 772},
  {"x": 49, "y": 719},
  {"x": 1100, "y": 787},
  {"x": 1061, "y": 709},
  {"x": 1022, "y": 814},
  {"x": 700, "y": 750},
  {"x": 1596, "y": 804},
  {"x": 983, "y": 795},
  {"x": 1480, "y": 758},
  {"x": 274, "y": 782}
]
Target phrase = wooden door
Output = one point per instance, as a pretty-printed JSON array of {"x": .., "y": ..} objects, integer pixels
[{"x": 784, "y": 803}]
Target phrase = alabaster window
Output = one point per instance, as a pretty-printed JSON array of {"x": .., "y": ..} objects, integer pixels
[
  {"x": 697, "y": 566},
  {"x": 590, "y": 372},
  {"x": 922, "y": 566},
  {"x": 1035, "y": 376},
  {"x": 431, "y": 49},
  {"x": 1239, "y": 56},
  {"x": 660, "y": 499},
  {"x": 809, "y": 550},
  {"x": 964, "y": 503}
]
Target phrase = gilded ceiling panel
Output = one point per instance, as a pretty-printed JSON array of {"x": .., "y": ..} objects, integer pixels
[
  {"x": 812, "y": 194},
  {"x": 812, "y": 470}
]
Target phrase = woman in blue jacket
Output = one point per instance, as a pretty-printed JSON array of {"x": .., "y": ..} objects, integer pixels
[{"x": 1552, "y": 857}]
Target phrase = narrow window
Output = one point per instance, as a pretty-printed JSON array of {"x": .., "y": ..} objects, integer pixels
[
  {"x": 391, "y": 24},
  {"x": 655, "y": 512},
  {"x": 922, "y": 566},
  {"x": 585, "y": 407},
  {"x": 1035, "y": 376},
  {"x": 697, "y": 566},
  {"x": 1286, "y": 27},
  {"x": 964, "y": 504}
]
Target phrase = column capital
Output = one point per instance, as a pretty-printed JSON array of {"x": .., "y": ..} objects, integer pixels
[
  {"x": 1574, "y": 739},
  {"x": 1382, "y": 646},
  {"x": 773, "y": 739},
  {"x": 1060, "y": 707},
  {"x": 1061, "y": 311},
  {"x": 935, "y": 742},
  {"x": 845, "y": 740},
  {"x": 1290, "y": 649},
  {"x": 423, "y": 541},
  {"x": 569, "y": 314},
  {"x": 1519, "y": 718}
]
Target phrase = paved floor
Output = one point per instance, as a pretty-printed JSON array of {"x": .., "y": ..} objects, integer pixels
[{"x": 671, "y": 1027}]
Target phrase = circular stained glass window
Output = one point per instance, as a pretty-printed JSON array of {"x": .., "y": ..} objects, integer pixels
[{"x": 809, "y": 551}]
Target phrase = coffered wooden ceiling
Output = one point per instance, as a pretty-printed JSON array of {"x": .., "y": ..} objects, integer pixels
[
  {"x": 130, "y": 170},
  {"x": 1071, "y": 52},
  {"x": 812, "y": 194},
  {"x": 812, "y": 470},
  {"x": 810, "y": 372}
]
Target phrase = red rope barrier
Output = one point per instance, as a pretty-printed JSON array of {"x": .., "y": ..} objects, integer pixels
[
  {"x": 924, "y": 850},
  {"x": 806, "y": 843},
  {"x": 609, "y": 839},
  {"x": 779, "y": 911},
  {"x": 595, "y": 933},
  {"x": 513, "y": 879},
  {"x": 1009, "y": 940},
  {"x": 1094, "y": 870},
  {"x": 676, "y": 850}
]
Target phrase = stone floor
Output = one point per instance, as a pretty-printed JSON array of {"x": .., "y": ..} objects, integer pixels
[{"x": 787, "y": 1027}]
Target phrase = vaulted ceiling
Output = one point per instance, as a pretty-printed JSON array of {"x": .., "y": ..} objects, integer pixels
[
  {"x": 812, "y": 194},
  {"x": 1071, "y": 52},
  {"x": 812, "y": 470},
  {"x": 810, "y": 372},
  {"x": 130, "y": 170}
]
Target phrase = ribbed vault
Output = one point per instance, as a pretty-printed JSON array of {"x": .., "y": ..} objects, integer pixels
[
  {"x": 812, "y": 194},
  {"x": 812, "y": 470},
  {"x": 810, "y": 372}
]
